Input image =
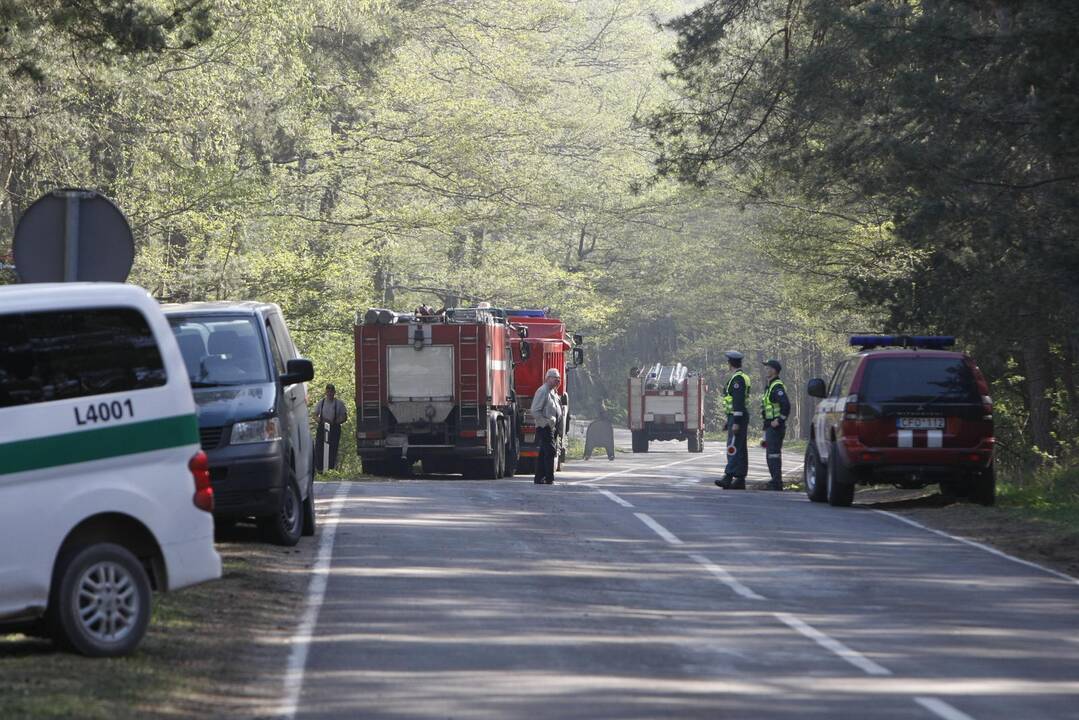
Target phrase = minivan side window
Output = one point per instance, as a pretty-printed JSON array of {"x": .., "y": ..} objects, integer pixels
[
  {"x": 66, "y": 354},
  {"x": 280, "y": 332},
  {"x": 275, "y": 350}
]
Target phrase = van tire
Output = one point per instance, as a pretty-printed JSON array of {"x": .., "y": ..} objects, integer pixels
[
  {"x": 814, "y": 475},
  {"x": 840, "y": 487},
  {"x": 74, "y": 581},
  {"x": 285, "y": 526},
  {"x": 309, "y": 520}
]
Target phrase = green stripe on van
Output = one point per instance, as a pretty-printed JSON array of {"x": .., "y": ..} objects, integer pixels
[{"x": 99, "y": 443}]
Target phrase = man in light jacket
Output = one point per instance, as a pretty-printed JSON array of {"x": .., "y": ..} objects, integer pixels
[
  {"x": 330, "y": 412},
  {"x": 546, "y": 413}
]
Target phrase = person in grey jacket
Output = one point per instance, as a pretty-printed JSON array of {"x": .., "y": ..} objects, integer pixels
[
  {"x": 331, "y": 413},
  {"x": 546, "y": 413}
]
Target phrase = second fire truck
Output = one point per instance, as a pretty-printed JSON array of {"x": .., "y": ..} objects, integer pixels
[{"x": 544, "y": 345}]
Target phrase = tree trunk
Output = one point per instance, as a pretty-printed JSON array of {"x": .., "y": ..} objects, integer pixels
[{"x": 1037, "y": 370}]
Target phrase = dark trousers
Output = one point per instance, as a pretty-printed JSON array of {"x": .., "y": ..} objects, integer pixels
[
  {"x": 738, "y": 463},
  {"x": 547, "y": 452},
  {"x": 320, "y": 440},
  {"x": 773, "y": 443}
]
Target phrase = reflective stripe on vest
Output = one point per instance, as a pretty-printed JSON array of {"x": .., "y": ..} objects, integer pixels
[
  {"x": 771, "y": 409},
  {"x": 728, "y": 399}
]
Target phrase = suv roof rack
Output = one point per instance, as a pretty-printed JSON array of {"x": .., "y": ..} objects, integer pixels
[{"x": 922, "y": 342}]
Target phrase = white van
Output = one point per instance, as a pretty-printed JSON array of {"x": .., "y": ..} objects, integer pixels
[{"x": 104, "y": 492}]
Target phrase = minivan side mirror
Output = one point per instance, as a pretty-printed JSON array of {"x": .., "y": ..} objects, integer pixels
[
  {"x": 817, "y": 388},
  {"x": 578, "y": 356},
  {"x": 297, "y": 371}
]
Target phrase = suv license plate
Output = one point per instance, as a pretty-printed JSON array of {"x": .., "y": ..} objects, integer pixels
[{"x": 921, "y": 423}]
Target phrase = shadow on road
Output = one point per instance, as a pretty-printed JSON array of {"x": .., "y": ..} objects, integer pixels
[{"x": 936, "y": 500}]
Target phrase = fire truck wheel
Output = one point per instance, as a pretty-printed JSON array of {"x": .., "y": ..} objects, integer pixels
[{"x": 526, "y": 466}]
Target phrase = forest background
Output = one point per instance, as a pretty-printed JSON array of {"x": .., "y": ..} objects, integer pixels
[{"x": 672, "y": 178}]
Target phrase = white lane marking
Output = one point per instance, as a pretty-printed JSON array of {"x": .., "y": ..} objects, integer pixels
[
  {"x": 854, "y": 657},
  {"x": 611, "y": 496},
  {"x": 982, "y": 546},
  {"x": 316, "y": 593},
  {"x": 659, "y": 529},
  {"x": 941, "y": 709},
  {"x": 725, "y": 577}
]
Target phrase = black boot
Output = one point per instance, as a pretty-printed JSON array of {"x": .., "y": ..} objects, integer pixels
[
  {"x": 738, "y": 484},
  {"x": 725, "y": 481},
  {"x": 773, "y": 485}
]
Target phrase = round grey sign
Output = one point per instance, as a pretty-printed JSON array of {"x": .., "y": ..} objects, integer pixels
[{"x": 71, "y": 235}]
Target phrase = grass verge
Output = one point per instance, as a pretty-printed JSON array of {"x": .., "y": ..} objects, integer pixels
[{"x": 212, "y": 650}]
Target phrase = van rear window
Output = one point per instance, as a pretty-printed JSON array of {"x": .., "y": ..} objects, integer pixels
[
  {"x": 918, "y": 380},
  {"x": 65, "y": 354}
]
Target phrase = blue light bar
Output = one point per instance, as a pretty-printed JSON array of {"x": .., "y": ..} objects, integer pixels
[
  {"x": 929, "y": 342},
  {"x": 527, "y": 313}
]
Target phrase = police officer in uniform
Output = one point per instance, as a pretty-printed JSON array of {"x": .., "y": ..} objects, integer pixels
[
  {"x": 734, "y": 405},
  {"x": 775, "y": 409}
]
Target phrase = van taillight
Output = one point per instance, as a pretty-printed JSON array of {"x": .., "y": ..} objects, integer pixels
[{"x": 199, "y": 465}]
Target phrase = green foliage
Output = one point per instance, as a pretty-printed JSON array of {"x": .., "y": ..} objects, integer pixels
[{"x": 918, "y": 158}]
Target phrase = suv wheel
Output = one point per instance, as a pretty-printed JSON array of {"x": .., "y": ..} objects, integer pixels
[
  {"x": 814, "y": 474},
  {"x": 100, "y": 605},
  {"x": 840, "y": 487},
  {"x": 286, "y": 525},
  {"x": 983, "y": 487}
]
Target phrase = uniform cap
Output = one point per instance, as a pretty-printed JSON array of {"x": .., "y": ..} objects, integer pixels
[
  {"x": 734, "y": 355},
  {"x": 775, "y": 365}
]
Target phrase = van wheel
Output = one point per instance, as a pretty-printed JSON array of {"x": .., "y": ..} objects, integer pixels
[
  {"x": 814, "y": 475},
  {"x": 983, "y": 487},
  {"x": 100, "y": 605},
  {"x": 286, "y": 525},
  {"x": 840, "y": 487},
  {"x": 309, "y": 520}
]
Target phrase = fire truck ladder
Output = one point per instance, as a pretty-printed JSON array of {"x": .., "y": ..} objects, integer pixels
[
  {"x": 371, "y": 383},
  {"x": 469, "y": 402}
]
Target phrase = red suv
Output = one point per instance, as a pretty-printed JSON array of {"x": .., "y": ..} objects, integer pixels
[{"x": 902, "y": 411}]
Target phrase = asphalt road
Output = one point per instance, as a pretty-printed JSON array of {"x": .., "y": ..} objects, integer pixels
[{"x": 637, "y": 589}]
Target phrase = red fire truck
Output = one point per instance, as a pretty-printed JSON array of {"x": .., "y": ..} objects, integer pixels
[
  {"x": 666, "y": 402},
  {"x": 438, "y": 389},
  {"x": 547, "y": 347}
]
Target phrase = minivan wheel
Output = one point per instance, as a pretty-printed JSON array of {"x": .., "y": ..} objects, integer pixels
[
  {"x": 814, "y": 475},
  {"x": 840, "y": 489},
  {"x": 309, "y": 520},
  {"x": 100, "y": 606},
  {"x": 286, "y": 525}
]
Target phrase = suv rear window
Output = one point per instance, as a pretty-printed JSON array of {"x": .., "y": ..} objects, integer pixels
[
  {"x": 66, "y": 354},
  {"x": 918, "y": 380}
]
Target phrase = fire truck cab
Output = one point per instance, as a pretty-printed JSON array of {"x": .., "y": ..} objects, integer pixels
[
  {"x": 543, "y": 345},
  {"x": 437, "y": 389}
]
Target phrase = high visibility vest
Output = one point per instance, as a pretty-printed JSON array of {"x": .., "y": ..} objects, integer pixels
[
  {"x": 771, "y": 409},
  {"x": 728, "y": 399}
]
